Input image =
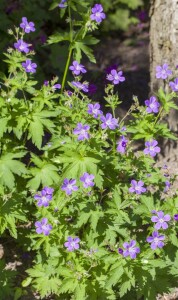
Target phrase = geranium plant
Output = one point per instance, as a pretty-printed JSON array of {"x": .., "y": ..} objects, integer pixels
[{"x": 101, "y": 221}]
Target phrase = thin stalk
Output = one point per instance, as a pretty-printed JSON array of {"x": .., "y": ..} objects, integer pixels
[
  {"x": 70, "y": 50},
  {"x": 157, "y": 118},
  {"x": 66, "y": 69}
]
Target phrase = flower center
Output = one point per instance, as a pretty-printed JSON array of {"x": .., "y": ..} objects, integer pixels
[
  {"x": 43, "y": 198},
  {"x": 21, "y": 47},
  {"x": 131, "y": 250},
  {"x": 69, "y": 186},
  {"x": 97, "y": 14},
  {"x": 83, "y": 132},
  {"x": 124, "y": 144}
]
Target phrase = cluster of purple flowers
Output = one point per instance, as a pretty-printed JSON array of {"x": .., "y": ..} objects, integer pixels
[
  {"x": 156, "y": 240},
  {"x": 20, "y": 45},
  {"x": 43, "y": 198},
  {"x": 69, "y": 185},
  {"x": 163, "y": 72},
  {"x": 161, "y": 220}
]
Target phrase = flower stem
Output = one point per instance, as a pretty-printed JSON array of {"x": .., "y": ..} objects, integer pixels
[
  {"x": 70, "y": 50},
  {"x": 66, "y": 69}
]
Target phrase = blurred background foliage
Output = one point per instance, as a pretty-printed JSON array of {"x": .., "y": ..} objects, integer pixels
[{"x": 51, "y": 58}]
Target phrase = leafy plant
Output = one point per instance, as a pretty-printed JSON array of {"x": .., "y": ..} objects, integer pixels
[{"x": 97, "y": 216}]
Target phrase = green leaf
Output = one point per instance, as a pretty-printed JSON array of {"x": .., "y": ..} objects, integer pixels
[
  {"x": 80, "y": 292},
  {"x": 115, "y": 276},
  {"x": 36, "y": 131},
  {"x": 26, "y": 282},
  {"x": 58, "y": 37},
  {"x": 68, "y": 285},
  {"x": 45, "y": 175},
  {"x": 3, "y": 126},
  {"x": 9, "y": 166},
  {"x": 80, "y": 47}
]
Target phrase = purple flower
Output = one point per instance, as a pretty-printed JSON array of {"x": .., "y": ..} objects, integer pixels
[
  {"x": 46, "y": 83},
  {"x": 72, "y": 244},
  {"x": 163, "y": 71},
  {"x": 161, "y": 220},
  {"x": 62, "y": 4},
  {"x": 174, "y": 85},
  {"x": 69, "y": 186},
  {"x": 142, "y": 15},
  {"x": 92, "y": 88},
  {"x": 176, "y": 217},
  {"x": 87, "y": 180},
  {"x": 108, "y": 122},
  {"x": 69, "y": 93},
  {"x": 131, "y": 250},
  {"x": 120, "y": 251},
  {"x": 121, "y": 144},
  {"x": 29, "y": 66},
  {"x": 123, "y": 129},
  {"x": 80, "y": 86},
  {"x": 27, "y": 26},
  {"x": 167, "y": 186},
  {"x": 152, "y": 148},
  {"x": 156, "y": 240},
  {"x": 152, "y": 105},
  {"x": 97, "y": 13},
  {"x": 115, "y": 76},
  {"x": 76, "y": 68},
  {"x": 56, "y": 86},
  {"x": 137, "y": 187},
  {"x": 82, "y": 132},
  {"x": 94, "y": 109},
  {"x": 44, "y": 197},
  {"x": 43, "y": 227},
  {"x": 21, "y": 46}
]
